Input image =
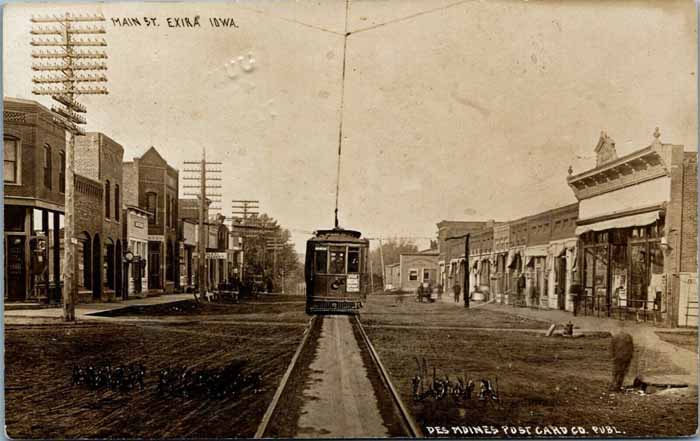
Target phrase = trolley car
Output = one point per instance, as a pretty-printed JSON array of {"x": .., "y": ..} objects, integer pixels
[{"x": 336, "y": 271}]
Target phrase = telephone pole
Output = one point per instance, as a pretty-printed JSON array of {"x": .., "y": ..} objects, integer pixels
[
  {"x": 275, "y": 245},
  {"x": 205, "y": 197},
  {"x": 67, "y": 70},
  {"x": 381, "y": 257},
  {"x": 242, "y": 210}
]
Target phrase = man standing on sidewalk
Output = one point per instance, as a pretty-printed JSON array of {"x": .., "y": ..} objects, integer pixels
[
  {"x": 575, "y": 291},
  {"x": 456, "y": 289}
]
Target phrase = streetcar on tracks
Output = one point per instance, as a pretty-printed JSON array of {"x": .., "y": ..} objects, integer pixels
[{"x": 336, "y": 274}]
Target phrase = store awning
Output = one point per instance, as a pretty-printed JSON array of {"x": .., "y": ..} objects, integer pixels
[
  {"x": 536, "y": 251},
  {"x": 635, "y": 220}
]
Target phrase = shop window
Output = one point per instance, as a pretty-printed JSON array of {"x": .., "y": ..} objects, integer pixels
[
  {"x": 62, "y": 172},
  {"x": 413, "y": 275},
  {"x": 14, "y": 218},
  {"x": 169, "y": 260},
  {"x": 11, "y": 158},
  {"x": 108, "y": 203},
  {"x": 47, "y": 166},
  {"x": 353, "y": 260}
]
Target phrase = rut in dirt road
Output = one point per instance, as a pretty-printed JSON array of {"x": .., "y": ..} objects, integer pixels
[{"x": 340, "y": 400}]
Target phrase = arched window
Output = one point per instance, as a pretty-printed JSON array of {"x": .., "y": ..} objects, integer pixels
[
  {"x": 152, "y": 207},
  {"x": 47, "y": 166},
  {"x": 167, "y": 211},
  {"x": 117, "y": 203},
  {"x": 173, "y": 209},
  {"x": 62, "y": 172},
  {"x": 108, "y": 203}
]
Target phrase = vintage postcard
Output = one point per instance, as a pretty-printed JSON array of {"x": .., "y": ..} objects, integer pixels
[{"x": 350, "y": 219}]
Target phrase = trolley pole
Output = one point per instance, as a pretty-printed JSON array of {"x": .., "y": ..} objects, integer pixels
[
  {"x": 68, "y": 69},
  {"x": 466, "y": 271}
]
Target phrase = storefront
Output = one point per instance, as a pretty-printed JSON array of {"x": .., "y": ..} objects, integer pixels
[
  {"x": 630, "y": 224},
  {"x": 623, "y": 270},
  {"x": 561, "y": 267},
  {"x": 34, "y": 254},
  {"x": 535, "y": 277}
]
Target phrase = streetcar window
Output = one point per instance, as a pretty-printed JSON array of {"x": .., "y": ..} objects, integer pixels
[
  {"x": 337, "y": 260},
  {"x": 321, "y": 259},
  {"x": 353, "y": 260}
]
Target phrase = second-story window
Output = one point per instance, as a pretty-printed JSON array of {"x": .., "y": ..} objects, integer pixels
[
  {"x": 152, "y": 207},
  {"x": 173, "y": 208},
  {"x": 47, "y": 166},
  {"x": 108, "y": 203},
  {"x": 117, "y": 203},
  {"x": 11, "y": 157},
  {"x": 167, "y": 212},
  {"x": 62, "y": 173}
]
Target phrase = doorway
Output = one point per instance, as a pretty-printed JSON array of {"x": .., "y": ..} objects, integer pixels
[
  {"x": 96, "y": 267},
  {"x": 15, "y": 281},
  {"x": 153, "y": 265},
  {"x": 561, "y": 282}
]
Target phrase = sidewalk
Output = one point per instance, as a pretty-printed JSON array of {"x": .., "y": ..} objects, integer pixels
[
  {"x": 644, "y": 334},
  {"x": 84, "y": 311}
]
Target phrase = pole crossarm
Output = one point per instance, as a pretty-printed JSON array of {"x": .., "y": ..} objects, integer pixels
[{"x": 55, "y": 59}]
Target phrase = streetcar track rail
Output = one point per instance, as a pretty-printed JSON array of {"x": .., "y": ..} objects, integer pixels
[
  {"x": 409, "y": 425},
  {"x": 267, "y": 417}
]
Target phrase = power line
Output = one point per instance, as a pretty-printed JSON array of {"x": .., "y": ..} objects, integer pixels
[
  {"x": 61, "y": 81},
  {"x": 205, "y": 198}
]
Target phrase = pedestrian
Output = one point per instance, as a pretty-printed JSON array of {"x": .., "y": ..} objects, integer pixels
[
  {"x": 456, "y": 289},
  {"x": 419, "y": 293},
  {"x": 429, "y": 292},
  {"x": 521, "y": 289},
  {"x": 575, "y": 291},
  {"x": 439, "y": 291}
]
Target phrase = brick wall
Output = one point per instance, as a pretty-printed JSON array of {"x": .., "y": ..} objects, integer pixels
[
  {"x": 87, "y": 155},
  {"x": 111, "y": 160},
  {"x": 689, "y": 220},
  {"x": 87, "y": 202},
  {"x": 130, "y": 183},
  {"x": 32, "y": 125}
]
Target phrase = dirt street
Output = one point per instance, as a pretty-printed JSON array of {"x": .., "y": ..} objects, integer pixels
[{"x": 340, "y": 400}]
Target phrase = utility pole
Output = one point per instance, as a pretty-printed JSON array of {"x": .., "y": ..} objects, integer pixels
[
  {"x": 274, "y": 244},
  {"x": 64, "y": 82},
  {"x": 242, "y": 210},
  {"x": 381, "y": 257},
  {"x": 466, "y": 271},
  {"x": 205, "y": 197},
  {"x": 371, "y": 274}
]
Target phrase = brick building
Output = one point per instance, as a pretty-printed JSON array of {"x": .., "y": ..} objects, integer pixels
[
  {"x": 481, "y": 260},
  {"x": 98, "y": 217},
  {"x": 451, "y": 247},
  {"x": 34, "y": 197},
  {"x": 635, "y": 228},
  {"x": 152, "y": 184}
]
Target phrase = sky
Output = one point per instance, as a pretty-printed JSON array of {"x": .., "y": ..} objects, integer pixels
[{"x": 459, "y": 110}]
